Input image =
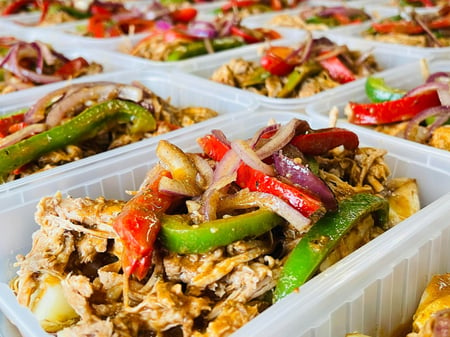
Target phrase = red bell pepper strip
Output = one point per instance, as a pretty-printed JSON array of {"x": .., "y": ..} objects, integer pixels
[
  {"x": 440, "y": 23},
  {"x": 320, "y": 141},
  {"x": 255, "y": 180},
  {"x": 101, "y": 26},
  {"x": 238, "y": 4},
  {"x": 184, "y": 15},
  {"x": 337, "y": 69},
  {"x": 138, "y": 225},
  {"x": 400, "y": 27},
  {"x": 276, "y": 60},
  {"x": 18, "y": 5},
  {"x": 391, "y": 111},
  {"x": 7, "y": 124},
  {"x": 71, "y": 68}
]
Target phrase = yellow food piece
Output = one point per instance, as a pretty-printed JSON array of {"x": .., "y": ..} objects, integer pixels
[
  {"x": 435, "y": 297},
  {"x": 50, "y": 306}
]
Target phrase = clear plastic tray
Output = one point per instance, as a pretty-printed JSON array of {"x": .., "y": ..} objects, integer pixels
[
  {"x": 264, "y": 19},
  {"x": 357, "y": 30},
  {"x": 114, "y": 175},
  {"x": 181, "y": 90},
  {"x": 388, "y": 58},
  {"x": 394, "y": 78}
]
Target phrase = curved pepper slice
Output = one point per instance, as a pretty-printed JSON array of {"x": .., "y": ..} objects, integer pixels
[
  {"x": 139, "y": 224},
  {"x": 84, "y": 126},
  {"x": 378, "y": 91},
  {"x": 323, "y": 237},
  {"x": 391, "y": 111},
  {"x": 179, "y": 236},
  {"x": 321, "y": 141}
]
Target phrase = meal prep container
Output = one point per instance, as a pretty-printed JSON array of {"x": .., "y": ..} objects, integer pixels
[
  {"x": 182, "y": 91},
  {"x": 264, "y": 19},
  {"x": 388, "y": 58},
  {"x": 395, "y": 78},
  {"x": 115, "y": 174},
  {"x": 356, "y": 31}
]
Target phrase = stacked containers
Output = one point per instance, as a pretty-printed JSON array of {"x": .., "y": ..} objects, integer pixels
[{"x": 374, "y": 290}]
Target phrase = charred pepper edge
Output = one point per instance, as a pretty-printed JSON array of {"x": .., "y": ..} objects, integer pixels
[
  {"x": 82, "y": 127},
  {"x": 179, "y": 236},
  {"x": 323, "y": 237}
]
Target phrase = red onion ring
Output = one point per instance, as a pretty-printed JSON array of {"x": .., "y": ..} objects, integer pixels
[
  {"x": 283, "y": 136},
  {"x": 304, "y": 177},
  {"x": 202, "y": 29},
  {"x": 249, "y": 156},
  {"x": 441, "y": 113}
]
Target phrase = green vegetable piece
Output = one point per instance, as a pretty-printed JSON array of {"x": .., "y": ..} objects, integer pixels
[
  {"x": 378, "y": 91},
  {"x": 323, "y": 237},
  {"x": 197, "y": 48},
  {"x": 296, "y": 77},
  {"x": 179, "y": 236},
  {"x": 254, "y": 78},
  {"x": 82, "y": 127}
]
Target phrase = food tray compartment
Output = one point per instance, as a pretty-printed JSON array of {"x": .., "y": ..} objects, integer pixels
[
  {"x": 388, "y": 58},
  {"x": 395, "y": 78},
  {"x": 181, "y": 90},
  {"x": 374, "y": 292},
  {"x": 114, "y": 175},
  {"x": 264, "y": 19},
  {"x": 357, "y": 30}
]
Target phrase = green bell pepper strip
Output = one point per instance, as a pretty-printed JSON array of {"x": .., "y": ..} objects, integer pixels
[
  {"x": 84, "y": 126},
  {"x": 179, "y": 236},
  {"x": 197, "y": 48},
  {"x": 323, "y": 237},
  {"x": 298, "y": 76},
  {"x": 378, "y": 91}
]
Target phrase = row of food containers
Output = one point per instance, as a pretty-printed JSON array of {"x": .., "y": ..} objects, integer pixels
[{"x": 375, "y": 290}]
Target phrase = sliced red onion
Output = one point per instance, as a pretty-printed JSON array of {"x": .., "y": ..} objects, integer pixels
[
  {"x": 163, "y": 25},
  {"x": 249, "y": 156},
  {"x": 11, "y": 62},
  {"x": 439, "y": 76},
  {"x": 245, "y": 199},
  {"x": 282, "y": 137},
  {"x": 427, "y": 30},
  {"x": 428, "y": 87},
  {"x": 221, "y": 136},
  {"x": 304, "y": 177},
  {"x": 210, "y": 197},
  {"x": 202, "y": 29},
  {"x": 36, "y": 113},
  {"x": 227, "y": 165},
  {"x": 262, "y": 132},
  {"x": 204, "y": 169},
  {"x": 441, "y": 114},
  {"x": 21, "y": 134}
]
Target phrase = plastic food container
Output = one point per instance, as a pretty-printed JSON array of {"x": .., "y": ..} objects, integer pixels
[
  {"x": 114, "y": 175},
  {"x": 265, "y": 19},
  {"x": 388, "y": 58},
  {"x": 395, "y": 78},
  {"x": 181, "y": 90},
  {"x": 357, "y": 30}
]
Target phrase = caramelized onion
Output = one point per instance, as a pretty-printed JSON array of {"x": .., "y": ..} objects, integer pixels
[{"x": 21, "y": 134}]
